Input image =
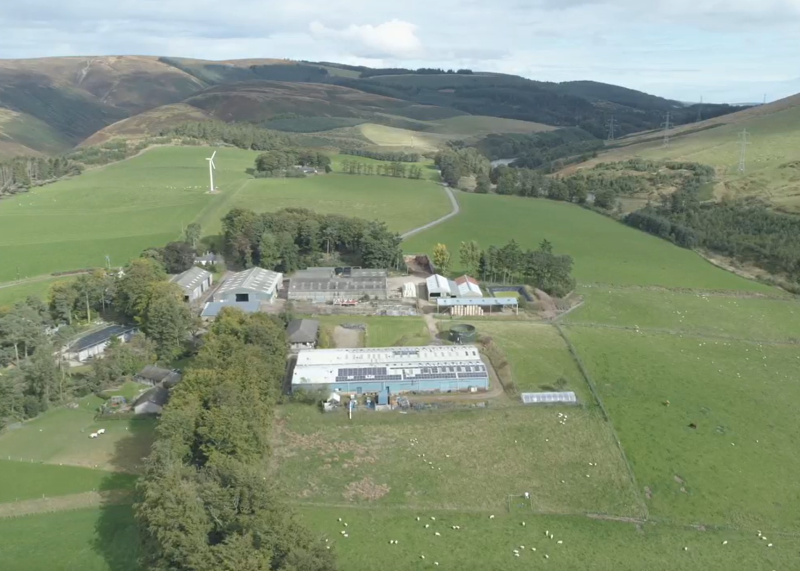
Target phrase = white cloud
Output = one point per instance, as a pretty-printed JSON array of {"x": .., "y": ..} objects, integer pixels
[
  {"x": 677, "y": 48},
  {"x": 394, "y": 38}
]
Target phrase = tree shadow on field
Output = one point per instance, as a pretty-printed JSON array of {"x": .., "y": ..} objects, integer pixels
[{"x": 116, "y": 535}]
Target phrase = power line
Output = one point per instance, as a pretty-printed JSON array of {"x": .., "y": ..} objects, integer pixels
[
  {"x": 611, "y": 127},
  {"x": 743, "y": 153},
  {"x": 666, "y": 124}
]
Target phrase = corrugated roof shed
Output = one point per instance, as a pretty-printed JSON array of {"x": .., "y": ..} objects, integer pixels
[
  {"x": 213, "y": 308},
  {"x": 156, "y": 395},
  {"x": 438, "y": 285},
  {"x": 191, "y": 278},
  {"x": 468, "y": 286},
  {"x": 343, "y": 285},
  {"x": 302, "y": 330},
  {"x": 404, "y": 355},
  {"x": 254, "y": 279}
]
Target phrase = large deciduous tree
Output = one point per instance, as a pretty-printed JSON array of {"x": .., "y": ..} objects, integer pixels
[
  {"x": 133, "y": 288},
  {"x": 166, "y": 319},
  {"x": 441, "y": 258}
]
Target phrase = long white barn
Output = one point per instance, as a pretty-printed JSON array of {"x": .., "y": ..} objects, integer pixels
[{"x": 391, "y": 369}]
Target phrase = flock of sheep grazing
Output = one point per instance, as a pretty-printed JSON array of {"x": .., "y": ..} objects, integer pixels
[{"x": 98, "y": 433}]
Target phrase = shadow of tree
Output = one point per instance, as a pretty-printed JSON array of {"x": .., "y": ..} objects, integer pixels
[{"x": 116, "y": 535}]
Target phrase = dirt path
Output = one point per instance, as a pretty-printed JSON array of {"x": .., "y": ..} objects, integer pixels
[
  {"x": 63, "y": 503},
  {"x": 430, "y": 323},
  {"x": 456, "y": 210}
]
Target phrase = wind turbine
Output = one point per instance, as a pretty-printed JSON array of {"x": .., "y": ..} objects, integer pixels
[{"x": 211, "y": 168}]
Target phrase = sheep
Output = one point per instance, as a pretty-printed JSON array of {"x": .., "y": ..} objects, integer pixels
[
  {"x": 345, "y": 535},
  {"x": 769, "y": 545},
  {"x": 340, "y": 519},
  {"x": 491, "y": 517},
  {"x": 343, "y": 532},
  {"x": 559, "y": 542},
  {"x": 533, "y": 549},
  {"x": 345, "y": 524},
  {"x": 93, "y": 435},
  {"x": 725, "y": 542},
  {"x": 437, "y": 534},
  {"x": 427, "y": 525},
  {"x": 422, "y": 557},
  {"x": 686, "y": 548},
  {"x": 101, "y": 431},
  {"x": 516, "y": 555},
  {"x": 433, "y": 518},
  {"x": 417, "y": 518},
  {"x": 436, "y": 563},
  {"x": 522, "y": 547},
  {"x": 546, "y": 556},
  {"x": 523, "y": 524}
]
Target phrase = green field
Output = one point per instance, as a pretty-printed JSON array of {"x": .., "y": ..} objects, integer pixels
[
  {"x": 483, "y": 544},
  {"x": 61, "y": 436},
  {"x": 383, "y": 331},
  {"x": 696, "y": 313},
  {"x": 472, "y": 460},
  {"x": 737, "y": 467},
  {"x": 538, "y": 355},
  {"x": 27, "y": 480},
  {"x": 124, "y": 208},
  {"x": 9, "y": 295},
  {"x": 604, "y": 251},
  {"x": 102, "y": 539}
]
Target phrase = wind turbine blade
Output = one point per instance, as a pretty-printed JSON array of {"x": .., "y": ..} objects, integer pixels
[
  {"x": 213, "y": 166},
  {"x": 214, "y": 154}
]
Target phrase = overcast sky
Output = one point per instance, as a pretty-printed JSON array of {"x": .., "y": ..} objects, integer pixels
[{"x": 723, "y": 50}]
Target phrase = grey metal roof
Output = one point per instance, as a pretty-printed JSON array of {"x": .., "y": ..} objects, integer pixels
[
  {"x": 344, "y": 285},
  {"x": 156, "y": 395},
  {"x": 302, "y": 330},
  {"x": 153, "y": 373},
  {"x": 254, "y": 279},
  {"x": 213, "y": 308},
  {"x": 101, "y": 336},
  {"x": 191, "y": 278},
  {"x": 485, "y": 301},
  {"x": 367, "y": 273},
  {"x": 554, "y": 397},
  {"x": 208, "y": 257}
]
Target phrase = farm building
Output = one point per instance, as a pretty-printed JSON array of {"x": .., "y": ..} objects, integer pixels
[
  {"x": 208, "y": 259},
  {"x": 439, "y": 287},
  {"x": 153, "y": 375},
  {"x": 302, "y": 334},
  {"x": 194, "y": 282},
  {"x": 476, "y": 305},
  {"x": 151, "y": 402},
  {"x": 212, "y": 308},
  {"x": 391, "y": 369},
  {"x": 95, "y": 344},
  {"x": 321, "y": 285},
  {"x": 255, "y": 284}
]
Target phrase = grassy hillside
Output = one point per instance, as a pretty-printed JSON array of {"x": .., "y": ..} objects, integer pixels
[
  {"x": 126, "y": 207},
  {"x": 604, "y": 251},
  {"x": 22, "y": 134},
  {"x": 773, "y": 157}
]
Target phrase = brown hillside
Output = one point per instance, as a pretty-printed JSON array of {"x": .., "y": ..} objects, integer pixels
[
  {"x": 149, "y": 123},
  {"x": 260, "y": 100}
]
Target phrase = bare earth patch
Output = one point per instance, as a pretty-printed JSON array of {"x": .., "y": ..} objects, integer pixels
[{"x": 365, "y": 489}]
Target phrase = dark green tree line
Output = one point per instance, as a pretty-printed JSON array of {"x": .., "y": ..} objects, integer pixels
[
  {"x": 204, "y": 502},
  {"x": 294, "y": 238}
]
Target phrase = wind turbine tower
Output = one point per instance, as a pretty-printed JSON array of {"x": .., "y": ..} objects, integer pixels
[{"x": 211, "y": 168}]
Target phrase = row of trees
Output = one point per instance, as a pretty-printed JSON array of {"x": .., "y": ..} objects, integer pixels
[
  {"x": 457, "y": 163},
  {"x": 204, "y": 503},
  {"x": 242, "y": 135},
  {"x": 294, "y": 238},
  {"x": 277, "y": 162},
  {"x": 21, "y": 173},
  {"x": 395, "y": 169},
  {"x": 746, "y": 230},
  {"x": 540, "y": 268},
  {"x": 539, "y": 150},
  {"x": 397, "y": 157}
]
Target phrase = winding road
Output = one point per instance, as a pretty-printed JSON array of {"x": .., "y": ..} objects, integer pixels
[{"x": 456, "y": 210}]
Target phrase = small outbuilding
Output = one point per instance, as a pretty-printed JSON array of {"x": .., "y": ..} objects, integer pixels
[
  {"x": 153, "y": 375},
  {"x": 151, "y": 402},
  {"x": 468, "y": 287},
  {"x": 302, "y": 334},
  {"x": 439, "y": 287},
  {"x": 194, "y": 282},
  {"x": 208, "y": 259},
  {"x": 94, "y": 344},
  {"x": 255, "y": 284}
]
